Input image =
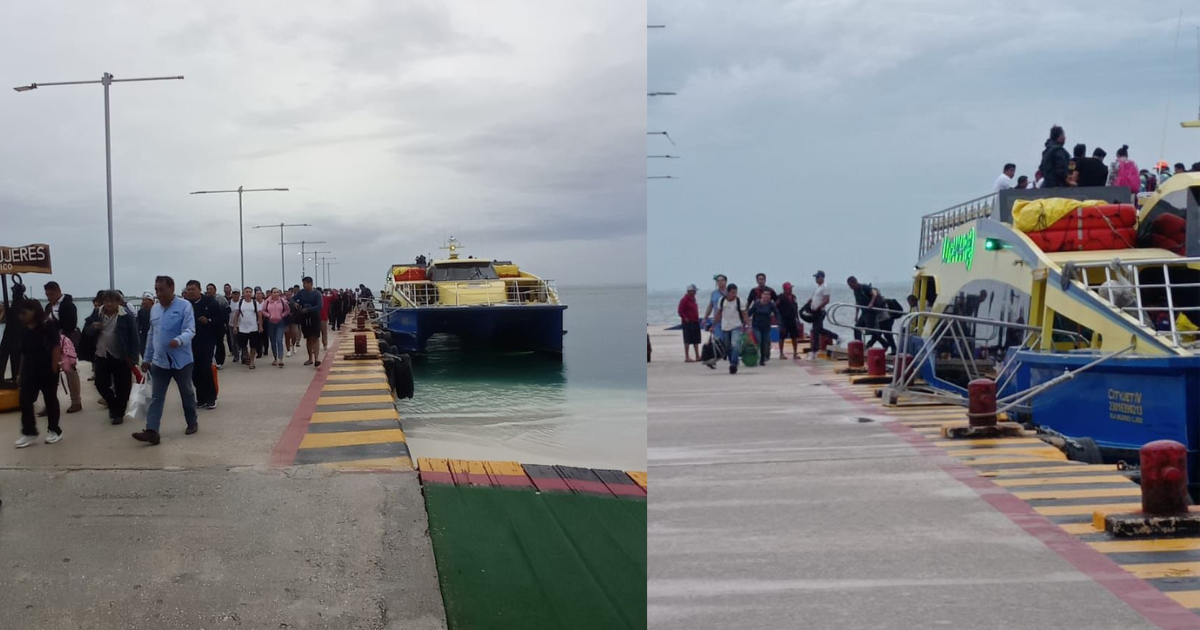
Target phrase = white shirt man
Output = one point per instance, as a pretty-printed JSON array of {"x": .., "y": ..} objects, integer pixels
[{"x": 1005, "y": 180}]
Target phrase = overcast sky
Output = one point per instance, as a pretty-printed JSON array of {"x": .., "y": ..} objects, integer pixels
[
  {"x": 814, "y": 134},
  {"x": 515, "y": 126}
]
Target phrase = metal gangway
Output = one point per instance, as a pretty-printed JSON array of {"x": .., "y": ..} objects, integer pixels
[{"x": 936, "y": 226}]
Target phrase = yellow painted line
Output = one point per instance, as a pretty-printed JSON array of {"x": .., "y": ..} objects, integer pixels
[
  {"x": 352, "y": 387},
  {"x": 350, "y": 376},
  {"x": 374, "y": 366},
  {"x": 933, "y": 423},
  {"x": 1076, "y": 510},
  {"x": 1079, "y": 529},
  {"x": 1187, "y": 599},
  {"x": 1135, "y": 546},
  {"x": 352, "y": 416},
  {"x": 638, "y": 477},
  {"x": 354, "y": 400},
  {"x": 1054, "y": 470},
  {"x": 351, "y": 438},
  {"x": 433, "y": 464},
  {"x": 1025, "y": 459},
  {"x": 383, "y": 463},
  {"x": 504, "y": 468},
  {"x": 1091, "y": 493},
  {"x": 1152, "y": 570},
  {"x": 1048, "y": 453},
  {"x": 969, "y": 443},
  {"x": 461, "y": 466},
  {"x": 1052, "y": 481}
]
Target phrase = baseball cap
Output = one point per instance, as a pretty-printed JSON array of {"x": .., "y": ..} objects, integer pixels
[
  {"x": 787, "y": 285},
  {"x": 819, "y": 274},
  {"x": 692, "y": 287}
]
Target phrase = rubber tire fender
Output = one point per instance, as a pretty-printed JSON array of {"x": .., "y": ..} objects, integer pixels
[
  {"x": 1088, "y": 452},
  {"x": 404, "y": 377},
  {"x": 389, "y": 369}
]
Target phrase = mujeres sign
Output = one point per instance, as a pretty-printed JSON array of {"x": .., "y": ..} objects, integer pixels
[{"x": 25, "y": 259}]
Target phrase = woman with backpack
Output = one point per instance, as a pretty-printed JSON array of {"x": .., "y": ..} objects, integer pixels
[
  {"x": 248, "y": 320},
  {"x": 275, "y": 313},
  {"x": 1124, "y": 171},
  {"x": 731, "y": 318},
  {"x": 41, "y": 356}
]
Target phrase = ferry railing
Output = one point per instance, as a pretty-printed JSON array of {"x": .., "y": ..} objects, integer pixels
[
  {"x": 517, "y": 292},
  {"x": 833, "y": 309},
  {"x": 936, "y": 226},
  {"x": 1124, "y": 291}
]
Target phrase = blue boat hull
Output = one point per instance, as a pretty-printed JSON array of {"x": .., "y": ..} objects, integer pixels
[
  {"x": 537, "y": 327},
  {"x": 1122, "y": 403}
]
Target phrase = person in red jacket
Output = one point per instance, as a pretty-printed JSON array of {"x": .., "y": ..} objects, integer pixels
[
  {"x": 326, "y": 299},
  {"x": 689, "y": 314}
]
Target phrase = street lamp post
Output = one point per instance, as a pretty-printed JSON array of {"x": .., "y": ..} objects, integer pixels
[
  {"x": 106, "y": 80},
  {"x": 317, "y": 265},
  {"x": 282, "y": 262},
  {"x": 241, "y": 231},
  {"x": 325, "y": 269},
  {"x": 302, "y": 244}
]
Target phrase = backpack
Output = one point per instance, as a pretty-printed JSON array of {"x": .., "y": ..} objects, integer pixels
[
  {"x": 1127, "y": 175},
  {"x": 69, "y": 357},
  {"x": 892, "y": 304},
  {"x": 721, "y": 306}
]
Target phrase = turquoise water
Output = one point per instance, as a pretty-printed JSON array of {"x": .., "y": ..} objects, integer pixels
[{"x": 589, "y": 409}]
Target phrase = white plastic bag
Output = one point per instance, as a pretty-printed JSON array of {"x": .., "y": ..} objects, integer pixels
[{"x": 139, "y": 400}]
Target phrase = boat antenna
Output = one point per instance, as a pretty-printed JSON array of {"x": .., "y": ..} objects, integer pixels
[{"x": 1162, "y": 150}]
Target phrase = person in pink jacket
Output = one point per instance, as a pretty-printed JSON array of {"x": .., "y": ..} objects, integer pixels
[
  {"x": 1124, "y": 171},
  {"x": 275, "y": 314}
]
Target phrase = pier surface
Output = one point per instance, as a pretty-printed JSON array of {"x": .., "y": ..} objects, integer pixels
[
  {"x": 202, "y": 531},
  {"x": 784, "y": 498}
]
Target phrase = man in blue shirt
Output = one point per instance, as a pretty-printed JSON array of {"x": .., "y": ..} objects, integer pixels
[
  {"x": 169, "y": 356},
  {"x": 714, "y": 301},
  {"x": 307, "y": 307}
]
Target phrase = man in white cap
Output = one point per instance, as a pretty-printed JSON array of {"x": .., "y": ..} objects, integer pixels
[
  {"x": 817, "y": 304},
  {"x": 689, "y": 315}
]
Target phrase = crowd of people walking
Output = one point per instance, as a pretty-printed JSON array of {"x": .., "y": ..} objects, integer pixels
[{"x": 185, "y": 338}]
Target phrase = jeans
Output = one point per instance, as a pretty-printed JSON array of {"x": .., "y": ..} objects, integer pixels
[
  {"x": 36, "y": 381},
  {"x": 202, "y": 375},
  {"x": 763, "y": 336},
  {"x": 231, "y": 337},
  {"x": 114, "y": 379},
  {"x": 275, "y": 332},
  {"x": 160, "y": 380},
  {"x": 733, "y": 348}
]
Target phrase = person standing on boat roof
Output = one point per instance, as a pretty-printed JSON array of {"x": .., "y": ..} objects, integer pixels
[
  {"x": 816, "y": 305},
  {"x": 689, "y": 317},
  {"x": 789, "y": 320},
  {"x": 1023, "y": 182},
  {"x": 1179, "y": 168},
  {"x": 1124, "y": 171},
  {"x": 1055, "y": 159},
  {"x": 1164, "y": 173},
  {"x": 1091, "y": 170},
  {"x": 1005, "y": 180},
  {"x": 714, "y": 299}
]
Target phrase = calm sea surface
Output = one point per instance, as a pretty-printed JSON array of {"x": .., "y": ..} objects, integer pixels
[{"x": 589, "y": 409}]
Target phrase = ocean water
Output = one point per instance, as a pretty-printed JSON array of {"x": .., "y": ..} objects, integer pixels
[
  {"x": 589, "y": 409},
  {"x": 661, "y": 305}
]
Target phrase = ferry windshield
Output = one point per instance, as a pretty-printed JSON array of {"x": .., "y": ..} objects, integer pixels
[{"x": 481, "y": 270}]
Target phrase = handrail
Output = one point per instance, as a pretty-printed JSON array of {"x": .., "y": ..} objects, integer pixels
[
  {"x": 516, "y": 292},
  {"x": 1123, "y": 283},
  {"x": 937, "y": 225}
]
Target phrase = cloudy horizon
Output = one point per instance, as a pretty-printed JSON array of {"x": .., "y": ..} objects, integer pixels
[{"x": 394, "y": 125}]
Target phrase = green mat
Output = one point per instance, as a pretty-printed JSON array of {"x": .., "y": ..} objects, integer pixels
[{"x": 522, "y": 560}]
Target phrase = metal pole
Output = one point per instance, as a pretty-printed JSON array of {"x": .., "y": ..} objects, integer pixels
[
  {"x": 282, "y": 260},
  {"x": 241, "y": 238},
  {"x": 112, "y": 267}
]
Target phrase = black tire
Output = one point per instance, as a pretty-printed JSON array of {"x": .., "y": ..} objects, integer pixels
[
  {"x": 404, "y": 377},
  {"x": 389, "y": 369},
  {"x": 1087, "y": 452}
]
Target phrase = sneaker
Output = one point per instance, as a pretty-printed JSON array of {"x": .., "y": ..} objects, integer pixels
[
  {"x": 26, "y": 440},
  {"x": 308, "y": 362},
  {"x": 117, "y": 420},
  {"x": 733, "y": 369},
  {"x": 220, "y": 366},
  {"x": 211, "y": 405},
  {"x": 192, "y": 429},
  {"x": 74, "y": 408},
  {"x": 147, "y": 436},
  {"x": 289, "y": 353},
  {"x": 52, "y": 437},
  {"x": 318, "y": 364}
]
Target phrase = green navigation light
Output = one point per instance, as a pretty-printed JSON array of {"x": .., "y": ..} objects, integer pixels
[{"x": 994, "y": 244}]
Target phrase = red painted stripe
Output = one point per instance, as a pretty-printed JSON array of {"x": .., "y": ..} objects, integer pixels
[
  {"x": 626, "y": 489},
  {"x": 1138, "y": 594},
  {"x": 589, "y": 487},
  {"x": 511, "y": 481},
  {"x": 437, "y": 477},
  {"x": 285, "y": 449},
  {"x": 550, "y": 484}
]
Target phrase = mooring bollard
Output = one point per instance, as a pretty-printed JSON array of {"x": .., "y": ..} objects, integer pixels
[
  {"x": 854, "y": 353},
  {"x": 362, "y": 320},
  {"x": 981, "y": 403},
  {"x": 1164, "y": 478},
  {"x": 360, "y": 344},
  {"x": 903, "y": 365},
  {"x": 876, "y": 362}
]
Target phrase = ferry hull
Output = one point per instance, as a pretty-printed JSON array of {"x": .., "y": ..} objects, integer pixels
[{"x": 534, "y": 327}]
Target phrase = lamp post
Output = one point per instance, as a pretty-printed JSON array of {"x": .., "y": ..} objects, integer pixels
[
  {"x": 106, "y": 80},
  {"x": 302, "y": 244},
  {"x": 325, "y": 268},
  {"x": 282, "y": 258},
  {"x": 241, "y": 231},
  {"x": 328, "y": 265},
  {"x": 317, "y": 265}
]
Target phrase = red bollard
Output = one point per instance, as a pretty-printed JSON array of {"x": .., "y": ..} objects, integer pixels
[
  {"x": 981, "y": 403},
  {"x": 876, "y": 362},
  {"x": 360, "y": 344},
  {"x": 854, "y": 353},
  {"x": 1164, "y": 478},
  {"x": 903, "y": 365},
  {"x": 362, "y": 320}
]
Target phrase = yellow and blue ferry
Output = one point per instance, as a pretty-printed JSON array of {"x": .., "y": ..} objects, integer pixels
[{"x": 488, "y": 303}]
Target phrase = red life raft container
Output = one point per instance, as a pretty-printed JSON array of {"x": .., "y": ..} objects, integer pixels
[
  {"x": 1169, "y": 232},
  {"x": 1108, "y": 226}
]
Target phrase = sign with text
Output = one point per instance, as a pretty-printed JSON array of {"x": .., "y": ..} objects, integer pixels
[{"x": 26, "y": 259}]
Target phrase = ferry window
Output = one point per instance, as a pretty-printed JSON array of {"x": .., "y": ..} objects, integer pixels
[
  {"x": 459, "y": 272},
  {"x": 1064, "y": 325}
]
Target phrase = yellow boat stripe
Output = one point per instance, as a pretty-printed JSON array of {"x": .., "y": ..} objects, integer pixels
[
  {"x": 354, "y": 400},
  {"x": 351, "y": 387},
  {"x": 1091, "y": 493},
  {"x": 1076, "y": 510},
  {"x": 1079, "y": 529},
  {"x": 1133, "y": 546},
  {"x": 357, "y": 415},
  {"x": 351, "y": 438},
  {"x": 1051, "y": 481},
  {"x": 1153, "y": 570},
  {"x": 383, "y": 463}
]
